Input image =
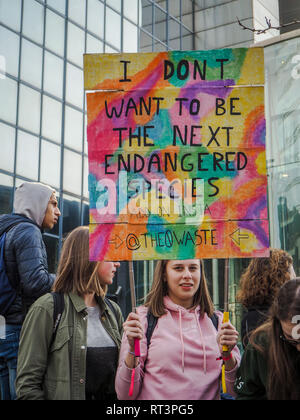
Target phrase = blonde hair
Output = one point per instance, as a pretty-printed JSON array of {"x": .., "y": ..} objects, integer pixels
[
  {"x": 155, "y": 298},
  {"x": 75, "y": 273}
]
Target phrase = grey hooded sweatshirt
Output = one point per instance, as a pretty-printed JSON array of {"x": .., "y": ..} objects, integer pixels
[{"x": 25, "y": 253}]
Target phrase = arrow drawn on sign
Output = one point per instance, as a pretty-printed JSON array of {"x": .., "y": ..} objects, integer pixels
[
  {"x": 237, "y": 236},
  {"x": 117, "y": 241}
]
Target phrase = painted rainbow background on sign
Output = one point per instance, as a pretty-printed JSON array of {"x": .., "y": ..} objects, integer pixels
[{"x": 238, "y": 212}]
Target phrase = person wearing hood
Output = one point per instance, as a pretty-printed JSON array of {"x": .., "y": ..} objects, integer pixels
[
  {"x": 26, "y": 267},
  {"x": 184, "y": 358}
]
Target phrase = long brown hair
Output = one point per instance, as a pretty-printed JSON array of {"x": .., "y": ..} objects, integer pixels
[
  {"x": 282, "y": 358},
  {"x": 263, "y": 278},
  {"x": 155, "y": 298},
  {"x": 75, "y": 272}
]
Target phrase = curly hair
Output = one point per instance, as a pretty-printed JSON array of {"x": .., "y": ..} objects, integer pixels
[{"x": 263, "y": 278}]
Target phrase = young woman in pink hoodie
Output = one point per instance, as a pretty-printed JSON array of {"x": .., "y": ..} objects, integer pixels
[{"x": 183, "y": 359}]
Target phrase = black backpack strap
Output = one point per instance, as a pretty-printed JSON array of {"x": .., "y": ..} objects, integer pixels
[
  {"x": 152, "y": 321},
  {"x": 111, "y": 307},
  {"x": 58, "y": 309},
  {"x": 215, "y": 320}
]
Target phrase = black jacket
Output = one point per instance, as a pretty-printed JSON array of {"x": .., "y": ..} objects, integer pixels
[
  {"x": 26, "y": 265},
  {"x": 255, "y": 317}
]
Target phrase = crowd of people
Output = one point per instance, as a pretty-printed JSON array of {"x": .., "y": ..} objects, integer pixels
[{"x": 65, "y": 340}]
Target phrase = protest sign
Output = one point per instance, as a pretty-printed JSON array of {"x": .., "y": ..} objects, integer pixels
[{"x": 177, "y": 166}]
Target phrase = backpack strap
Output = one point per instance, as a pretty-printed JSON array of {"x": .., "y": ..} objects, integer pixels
[
  {"x": 215, "y": 320},
  {"x": 152, "y": 321},
  {"x": 111, "y": 307},
  {"x": 59, "y": 306}
]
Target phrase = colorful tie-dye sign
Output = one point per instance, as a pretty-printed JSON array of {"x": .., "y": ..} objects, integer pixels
[{"x": 177, "y": 166}]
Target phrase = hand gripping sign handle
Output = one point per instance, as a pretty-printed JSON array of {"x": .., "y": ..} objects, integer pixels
[
  {"x": 137, "y": 351},
  {"x": 225, "y": 318},
  {"x": 224, "y": 349}
]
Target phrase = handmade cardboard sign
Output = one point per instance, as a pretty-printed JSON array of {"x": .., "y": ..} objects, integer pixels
[{"x": 176, "y": 144}]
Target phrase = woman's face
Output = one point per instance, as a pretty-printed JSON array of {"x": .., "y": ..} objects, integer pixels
[
  {"x": 107, "y": 271},
  {"x": 183, "y": 280}
]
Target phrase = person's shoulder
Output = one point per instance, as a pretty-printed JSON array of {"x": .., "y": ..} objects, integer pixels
[
  {"x": 27, "y": 233},
  {"x": 43, "y": 306},
  {"x": 45, "y": 302}
]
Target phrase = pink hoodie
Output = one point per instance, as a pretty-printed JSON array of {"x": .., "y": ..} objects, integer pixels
[{"x": 181, "y": 362}]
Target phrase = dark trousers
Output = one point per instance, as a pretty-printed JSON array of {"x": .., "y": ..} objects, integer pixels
[{"x": 9, "y": 346}]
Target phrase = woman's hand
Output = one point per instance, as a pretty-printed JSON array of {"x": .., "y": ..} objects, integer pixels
[
  {"x": 228, "y": 336},
  {"x": 133, "y": 329}
]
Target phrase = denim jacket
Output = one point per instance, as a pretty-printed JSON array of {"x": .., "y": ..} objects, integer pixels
[{"x": 58, "y": 372}]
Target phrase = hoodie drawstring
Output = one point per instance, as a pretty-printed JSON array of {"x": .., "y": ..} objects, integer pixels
[
  {"x": 203, "y": 342},
  {"x": 182, "y": 341}
]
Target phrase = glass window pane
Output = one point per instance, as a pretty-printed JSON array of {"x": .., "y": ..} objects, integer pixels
[
  {"x": 131, "y": 10},
  {"x": 55, "y": 33},
  {"x": 74, "y": 89},
  {"x": 77, "y": 11},
  {"x": 174, "y": 35},
  {"x": 116, "y": 4},
  {"x": 7, "y": 155},
  {"x": 72, "y": 172},
  {"x": 27, "y": 155},
  {"x": 93, "y": 45},
  {"x": 29, "y": 109},
  {"x": 50, "y": 164},
  {"x": 59, "y": 5},
  {"x": 6, "y": 194},
  {"x": 109, "y": 49},
  {"x": 9, "y": 49},
  {"x": 76, "y": 41},
  {"x": 113, "y": 30},
  {"x": 52, "y": 119},
  {"x": 160, "y": 24},
  {"x": 147, "y": 16},
  {"x": 73, "y": 128},
  {"x": 95, "y": 21},
  {"x": 8, "y": 100},
  {"x": 33, "y": 20},
  {"x": 53, "y": 74},
  {"x": 31, "y": 63},
  {"x": 130, "y": 37},
  {"x": 10, "y": 13},
  {"x": 71, "y": 214},
  {"x": 145, "y": 42},
  {"x": 174, "y": 8},
  {"x": 86, "y": 178}
]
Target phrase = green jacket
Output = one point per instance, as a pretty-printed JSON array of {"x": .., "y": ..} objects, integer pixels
[
  {"x": 58, "y": 373},
  {"x": 252, "y": 376}
]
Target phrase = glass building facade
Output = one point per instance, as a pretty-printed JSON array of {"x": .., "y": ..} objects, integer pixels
[{"x": 43, "y": 112}]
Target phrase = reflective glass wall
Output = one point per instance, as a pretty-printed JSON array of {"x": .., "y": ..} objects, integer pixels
[
  {"x": 282, "y": 63},
  {"x": 42, "y": 103}
]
